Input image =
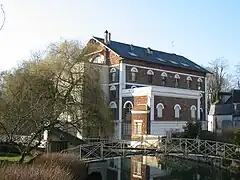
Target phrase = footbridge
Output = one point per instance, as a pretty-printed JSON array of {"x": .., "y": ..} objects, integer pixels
[{"x": 183, "y": 147}]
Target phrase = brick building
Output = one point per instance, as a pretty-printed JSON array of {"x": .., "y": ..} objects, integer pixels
[{"x": 150, "y": 92}]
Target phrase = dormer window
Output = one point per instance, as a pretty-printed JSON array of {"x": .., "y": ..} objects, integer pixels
[
  {"x": 177, "y": 79},
  {"x": 149, "y": 51},
  {"x": 113, "y": 74},
  {"x": 131, "y": 51},
  {"x": 150, "y": 74},
  {"x": 164, "y": 78},
  {"x": 199, "y": 83},
  {"x": 133, "y": 73},
  {"x": 189, "y": 82}
]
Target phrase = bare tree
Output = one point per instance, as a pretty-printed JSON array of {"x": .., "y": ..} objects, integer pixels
[
  {"x": 4, "y": 17},
  {"x": 61, "y": 89},
  {"x": 219, "y": 80}
]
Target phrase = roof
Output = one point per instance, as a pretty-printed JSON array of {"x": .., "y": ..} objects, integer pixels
[
  {"x": 221, "y": 109},
  {"x": 130, "y": 51},
  {"x": 67, "y": 136}
]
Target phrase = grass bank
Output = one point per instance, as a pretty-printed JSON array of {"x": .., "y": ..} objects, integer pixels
[{"x": 55, "y": 166}]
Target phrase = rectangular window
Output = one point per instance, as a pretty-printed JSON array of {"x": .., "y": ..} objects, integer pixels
[
  {"x": 113, "y": 77},
  {"x": 137, "y": 168},
  {"x": 138, "y": 128},
  {"x": 133, "y": 76}
]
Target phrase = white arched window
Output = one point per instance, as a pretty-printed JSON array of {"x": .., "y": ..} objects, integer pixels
[
  {"x": 177, "y": 78},
  {"x": 112, "y": 105},
  {"x": 150, "y": 74},
  {"x": 177, "y": 109},
  {"x": 113, "y": 88},
  {"x": 193, "y": 111},
  {"x": 113, "y": 74},
  {"x": 160, "y": 108},
  {"x": 132, "y": 87},
  {"x": 128, "y": 105},
  {"x": 189, "y": 82},
  {"x": 113, "y": 92},
  {"x": 99, "y": 59},
  {"x": 133, "y": 73},
  {"x": 199, "y": 83},
  {"x": 164, "y": 78}
]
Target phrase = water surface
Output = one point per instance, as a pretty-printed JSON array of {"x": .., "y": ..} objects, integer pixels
[{"x": 158, "y": 168}]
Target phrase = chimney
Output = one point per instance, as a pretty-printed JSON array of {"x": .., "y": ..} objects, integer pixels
[
  {"x": 109, "y": 38},
  {"x": 106, "y": 37}
]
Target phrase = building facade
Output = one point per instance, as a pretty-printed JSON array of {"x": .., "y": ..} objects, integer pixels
[{"x": 150, "y": 92}]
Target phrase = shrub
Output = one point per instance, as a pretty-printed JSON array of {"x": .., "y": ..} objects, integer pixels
[
  {"x": 33, "y": 172},
  {"x": 64, "y": 161}
]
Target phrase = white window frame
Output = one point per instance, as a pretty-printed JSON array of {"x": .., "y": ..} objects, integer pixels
[
  {"x": 137, "y": 169},
  {"x": 177, "y": 109},
  {"x": 113, "y": 105},
  {"x": 133, "y": 73},
  {"x": 114, "y": 77},
  {"x": 193, "y": 111},
  {"x": 160, "y": 108},
  {"x": 138, "y": 124}
]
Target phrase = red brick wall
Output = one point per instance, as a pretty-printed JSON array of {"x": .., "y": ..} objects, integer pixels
[
  {"x": 145, "y": 171},
  {"x": 169, "y": 103},
  {"x": 140, "y": 104},
  {"x": 142, "y": 78},
  {"x": 158, "y": 66}
]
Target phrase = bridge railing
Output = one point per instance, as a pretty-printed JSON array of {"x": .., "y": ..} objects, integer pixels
[{"x": 149, "y": 145}]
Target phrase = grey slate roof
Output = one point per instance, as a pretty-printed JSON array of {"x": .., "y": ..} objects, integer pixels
[{"x": 129, "y": 51}]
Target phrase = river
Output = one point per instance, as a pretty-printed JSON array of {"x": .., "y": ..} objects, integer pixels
[{"x": 158, "y": 168}]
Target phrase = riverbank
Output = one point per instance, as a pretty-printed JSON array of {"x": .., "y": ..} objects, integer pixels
[{"x": 54, "y": 166}]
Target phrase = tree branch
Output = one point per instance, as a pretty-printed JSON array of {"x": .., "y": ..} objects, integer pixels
[{"x": 4, "y": 17}]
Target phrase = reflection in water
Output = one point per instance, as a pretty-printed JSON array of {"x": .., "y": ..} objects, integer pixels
[{"x": 157, "y": 168}]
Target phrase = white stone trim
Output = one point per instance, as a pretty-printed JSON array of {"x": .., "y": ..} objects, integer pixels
[
  {"x": 111, "y": 84},
  {"x": 160, "y": 104},
  {"x": 113, "y": 70},
  {"x": 198, "y": 108},
  {"x": 113, "y": 105},
  {"x": 150, "y": 72},
  {"x": 138, "y": 121},
  {"x": 113, "y": 88},
  {"x": 139, "y": 112},
  {"x": 134, "y": 69},
  {"x": 114, "y": 65},
  {"x": 105, "y": 46},
  {"x": 124, "y": 105},
  {"x": 176, "y": 76},
  {"x": 174, "y": 88},
  {"x": 120, "y": 99},
  {"x": 155, "y": 69},
  {"x": 161, "y": 91}
]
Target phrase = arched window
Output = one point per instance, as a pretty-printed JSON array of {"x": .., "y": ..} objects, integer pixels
[
  {"x": 177, "y": 109},
  {"x": 164, "y": 78},
  {"x": 113, "y": 92},
  {"x": 177, "y": 78},
  {"x": 193, "y": 111},
  {"x": 128, "y": 105},
  {"x": 133, "y": 73},
  {"x": 160, "y": 108},
  {"x": 189, "y": 82},
  {"x": 132, "y": 87},
  {"x": 98, "y": 59},
  {"x": 113, "y": 74},
  {"x": 150, "y": 74},
  {"x": 113, "y": 107},
  {"x": 199, "y": 83}
]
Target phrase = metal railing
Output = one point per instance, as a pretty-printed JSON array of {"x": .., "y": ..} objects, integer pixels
[{"x": 146, "y": 145}]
